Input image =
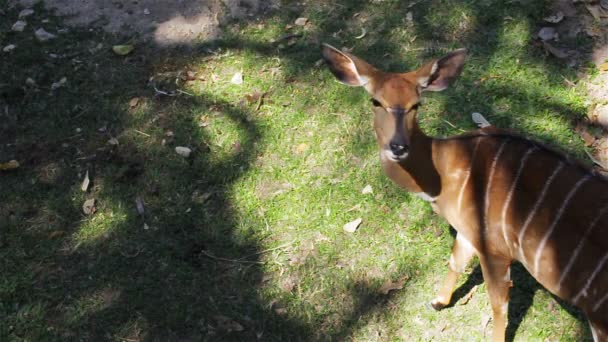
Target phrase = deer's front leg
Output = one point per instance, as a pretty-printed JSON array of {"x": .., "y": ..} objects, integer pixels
[
  {"x": 462, "y": 252},
  {"x": 497, "y": 276}
]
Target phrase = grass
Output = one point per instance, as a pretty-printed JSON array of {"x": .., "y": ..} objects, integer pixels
[{"x": 288, "y": 174}]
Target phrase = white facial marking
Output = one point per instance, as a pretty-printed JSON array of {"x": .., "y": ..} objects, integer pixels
[
  {"x": 490, "y": 178},
  {"x": 510, "y": 194},
  {"x": 466, "y": 179},
  {"x": 584, "y": 290},
  {"x": 540, "y": 199},
  {"x": 389, "y": 155},
  {"x": 579, "y": 247},
  {"x": 560, "y": 212}
]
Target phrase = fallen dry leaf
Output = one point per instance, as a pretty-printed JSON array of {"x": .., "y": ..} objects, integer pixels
[
  {"x": 88, "y": 207},
  {"x": 587, "y": 137},
  {"x": 85, "y": 182},
  {"x": 227, "y": 324},
  {"x": 468, "y": 296},
  {"x": 389, "y": 285},
  {"x": 352, "y": 226},
  {"x": 183, "y": 151},
  {"x": 301, "y": 21},
  {"x": 113, "y": 141},
  {"x": 363, "y": 33},
  {"x": 134, "y": 102},
  {"x": 9, "y": 165},
  {"x": 367, "y": 190},
  {"x": 556, "y": 18},
  {"x": 302, "y": 148},
  {"x": 55, "y": 234},
  {"x": 139, "y": 203},
  {"x": 237, "y": 78},
  {"x": 123, "y": 50},
  {"x": 603, "y": 66}
]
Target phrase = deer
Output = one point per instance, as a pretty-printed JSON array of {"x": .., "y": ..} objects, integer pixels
[{"x": 509, "y": 198}]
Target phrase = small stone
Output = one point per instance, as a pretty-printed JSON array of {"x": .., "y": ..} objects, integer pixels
[
  {"x": 547, "y": 33},
  {"x": 19, "y": 26},
  {"x": 146, "y": 11},
  {"x": 30, "y": 82},
  {"x": 59, "y": 84},
  {"x": 9, "y": 48},
  {"x": 237, "y": 78},
  {"x": 25, "y": 13},
  {"x": 301, "y": 21},
  {"x": 42, "y": 35},
  {"x": 183, "y": 151}
]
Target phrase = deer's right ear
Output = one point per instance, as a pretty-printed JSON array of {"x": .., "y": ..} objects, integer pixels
[{"x": 347, "y": 68}]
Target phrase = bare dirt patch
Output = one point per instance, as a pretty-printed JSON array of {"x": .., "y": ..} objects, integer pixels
[{"x": 164, "y": 22}]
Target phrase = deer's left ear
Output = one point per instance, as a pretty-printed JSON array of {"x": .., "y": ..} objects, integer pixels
[
  {"x": 348, "y": 68},
  {"x": 438, "y": 74}
]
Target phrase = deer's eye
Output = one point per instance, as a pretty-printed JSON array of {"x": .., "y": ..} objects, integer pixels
[{"x": 376, "y": 103}]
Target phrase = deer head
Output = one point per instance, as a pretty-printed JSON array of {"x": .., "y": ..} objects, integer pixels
[{"x": 395, "y": 96}]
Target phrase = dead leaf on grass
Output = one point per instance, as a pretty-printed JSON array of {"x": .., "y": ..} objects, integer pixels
[
  {"x": 134, "y": 102},
  {"x": 367, "y": 190},
  {"x": 603, "y": 66},
  {"x": 227, "y": 324},
  {"x": 55, "y": 234},
  {"x": 85, "y": 182},
  {"x": 301, "y": 21},
  {"x": 556, "y": 18},
  {"x": 302, "y": 148},
  {"x": 183, "y": 151},
  {"x": 9, "y": 165},
  {"x": 587, "y": 137},
  {"x": 139, "y": 203},
  {"x": 237, "y": 78},
  {"x": 352, "y": 226},
  {"x": 390, "y": 285},
  {"x": 89, "y": 207},
  {"x": 468, "y": 296},
  {"x": 123, "y": 50}
]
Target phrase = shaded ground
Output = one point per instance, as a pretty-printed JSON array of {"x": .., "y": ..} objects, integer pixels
[{"x": 243, "y": 239}]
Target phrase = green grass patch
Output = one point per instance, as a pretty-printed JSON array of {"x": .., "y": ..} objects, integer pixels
[{"x": 286, "y": 171}]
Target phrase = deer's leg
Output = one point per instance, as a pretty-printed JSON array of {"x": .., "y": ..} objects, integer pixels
[
  {"x": 462, "y": 252},
  {"x": 599, "y": 333},
  {"x": 497, "y": 276}
]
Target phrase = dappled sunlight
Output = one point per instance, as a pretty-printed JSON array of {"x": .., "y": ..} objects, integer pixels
[{"x": 102, "y": 225}]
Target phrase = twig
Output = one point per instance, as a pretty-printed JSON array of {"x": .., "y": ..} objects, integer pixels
[
  {"x": 184, "y": 92},
  {"x": 142, "y": 133},
  {"x": 269, "y": 250},
  {"x": 207, "y": 254}
]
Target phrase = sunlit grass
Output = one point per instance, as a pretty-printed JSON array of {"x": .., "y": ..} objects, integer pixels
[{"x": 270, "y": 181}]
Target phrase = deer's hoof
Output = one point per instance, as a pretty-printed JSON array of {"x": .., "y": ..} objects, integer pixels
[{"x": 437, "y": 304}]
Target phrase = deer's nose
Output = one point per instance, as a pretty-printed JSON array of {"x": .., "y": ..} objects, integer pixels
[{"x": 398, "y": 149}]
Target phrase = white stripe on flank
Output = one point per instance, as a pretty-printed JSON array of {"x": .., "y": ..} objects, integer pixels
[
  {"x": 512, "y": 189},
  {"x": 466, "y": 179},
  {"x": 540, "y": 199},
  {"x": 492, "y": 169},
  {"x": 580, "y": 245},
  {"x": 598, "y": 304},
  {"x": 598, "y": 268},
  {"x": 558, "y": 216}
]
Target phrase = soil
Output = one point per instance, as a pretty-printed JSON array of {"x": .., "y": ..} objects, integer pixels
[{"x": 175, "y": 22}]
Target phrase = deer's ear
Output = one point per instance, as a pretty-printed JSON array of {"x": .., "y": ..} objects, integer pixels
[
  {"x": 347, "y": 68},
  {"x": 438, "y": 74}
]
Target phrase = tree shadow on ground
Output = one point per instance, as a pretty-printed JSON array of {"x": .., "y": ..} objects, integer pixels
[{"x": 160, "y": 283}]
